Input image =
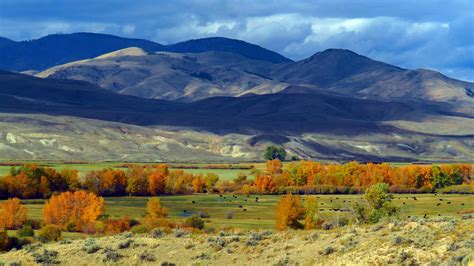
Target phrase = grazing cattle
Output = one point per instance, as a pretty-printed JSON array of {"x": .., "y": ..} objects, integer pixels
[
  {"x": 331, "y": 200},
  {"x": 245, "y": 210},
  {"x": 424, "y": 216},
  {"x": 184, "y": 210},
  {"x": 404, "y": 203},
  {"x": 439, "y": 214},
  {"x": 245, "y": 200},
  {"x": 321, "y": 210},
  {"x": 438, "y": 204},
  {"x": 220, "y": 195},
  {"x": 462, "y": 204},
  {"x": 440, "y": 199},
  {"x": 449, "y": 202},
  {"x": 414, "y": 198},
  {"x": 322, "y": 203},
  {"x": 408, "y": 216},
  {"x": 240, "y": 206},
  {"x": 194, "y": 202}
]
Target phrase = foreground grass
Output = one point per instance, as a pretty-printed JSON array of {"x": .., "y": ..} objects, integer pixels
[
  {"x": 415, "y": 241},
  {"x": 261, "y": 214}
]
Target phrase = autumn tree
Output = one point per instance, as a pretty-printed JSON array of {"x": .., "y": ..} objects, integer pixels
[
  {"x": 156, "y": 214},
  {"x": 211, "y": 180},
  {"x": 289, "y": 212},
  {"x": 73, "y": 209},
  {"x": 274, "y": 167},
  {"x": 137, "y": 181},
  {"x": 13, "y": 214},
  {"x": 198, "y": 184},
  {"x": 265, "y": 184},
  {"x": 311, "y": 212},
  {"x": 157, "y": 180},
  {"x": 154, "y": 209}
]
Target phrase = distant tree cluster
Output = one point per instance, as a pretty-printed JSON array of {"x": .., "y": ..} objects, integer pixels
[
  {"x": 353, "y": 177},
  {"x": 33, "y": 181},
  {"x": 274, "y": 153}
]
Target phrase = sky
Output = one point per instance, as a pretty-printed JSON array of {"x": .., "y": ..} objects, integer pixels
[{"x": 413, "y": 34}]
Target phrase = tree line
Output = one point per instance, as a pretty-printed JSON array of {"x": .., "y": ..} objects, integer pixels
[{"x": 32, "y": 181}]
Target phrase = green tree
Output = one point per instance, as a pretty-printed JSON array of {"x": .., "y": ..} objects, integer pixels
[
  {"x": 376, "y": 205},
  {"x": 273, "y": 152},
  {"x": 211, "y": 181}
]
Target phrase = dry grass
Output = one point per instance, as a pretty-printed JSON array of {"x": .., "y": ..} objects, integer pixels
[{"x": 441, "y": 240}]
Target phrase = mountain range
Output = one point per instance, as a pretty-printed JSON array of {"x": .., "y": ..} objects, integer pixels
[{"x": 94, "y": 96}]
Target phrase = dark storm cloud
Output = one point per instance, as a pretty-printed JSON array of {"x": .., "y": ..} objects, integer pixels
[{"x": 425, "y": 33}]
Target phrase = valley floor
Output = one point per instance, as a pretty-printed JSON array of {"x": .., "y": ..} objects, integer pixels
[{"x": 434, "y": 241}]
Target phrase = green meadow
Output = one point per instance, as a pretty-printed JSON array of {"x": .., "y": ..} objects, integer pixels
[{"x": 248, "y": 213}]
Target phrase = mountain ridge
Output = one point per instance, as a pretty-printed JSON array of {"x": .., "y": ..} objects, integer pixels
[{"x": 56, "y": 49}]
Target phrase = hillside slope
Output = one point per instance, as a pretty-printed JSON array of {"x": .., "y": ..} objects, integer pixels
[
  {"x": 195, "y": 76},
  {"x": 51, "y": 119}
]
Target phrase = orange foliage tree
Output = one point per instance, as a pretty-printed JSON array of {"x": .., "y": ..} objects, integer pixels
[
  {"x": 289, "y": 212},
  {"x": 12, "y": 214},
  {"x": 157, "y": 180},
  {"x": 73, "y": 208}
]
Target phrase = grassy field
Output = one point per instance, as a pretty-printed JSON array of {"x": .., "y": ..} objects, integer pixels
[
  {"x": 224, "y": 174},
  {"x": 261, "y": 214}
]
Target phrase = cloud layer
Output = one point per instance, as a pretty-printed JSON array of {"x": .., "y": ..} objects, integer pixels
[{"x": 413, "y": 34}]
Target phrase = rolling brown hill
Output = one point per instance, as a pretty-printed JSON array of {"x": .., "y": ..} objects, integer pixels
[
  {"x": 195, "y": 76},
  {"x": 57, "y": 118}
]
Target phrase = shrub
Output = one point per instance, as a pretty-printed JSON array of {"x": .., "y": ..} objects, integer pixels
[
  {"x": 49, "y": 233},
  {"x": 25, "y": 231},
  {"x": 116, "y": 226},
  {"x": 125, "y": 244},
  {"x": 111, "y": 255},
  {"x": 289, "y": 212},
  {"x": 179, "y": 233},
  {"x": 139, "y": 229},
  {"x": 157, "y": 233},
  {"x": 458, "y": 189},
  {"x": 48, "y": 257},
  {"x": 145, "y": 256},
  {"x": 4, "y": 241},
  {"x": 34, "y": 223},
  {"x": 203, "y": 214},
  {"x": 328, "y": 250},
  {"x": 90, "y": 246},
  {"x": 194, "y": 221}
]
